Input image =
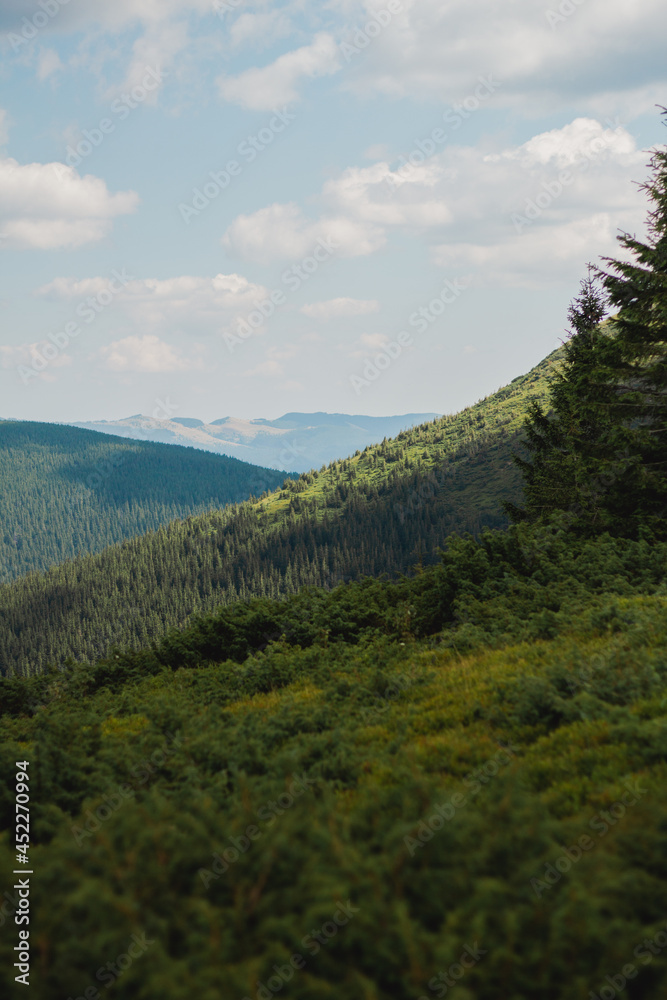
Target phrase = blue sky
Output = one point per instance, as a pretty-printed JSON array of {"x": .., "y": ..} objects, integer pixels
[{"x": 245, "y": 208}]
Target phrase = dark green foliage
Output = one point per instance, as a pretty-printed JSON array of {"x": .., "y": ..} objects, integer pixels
[
  {"x": 577, "y": 453},
  {"x": 66, "y": 492},
  {"x": 279, "y": 759}
]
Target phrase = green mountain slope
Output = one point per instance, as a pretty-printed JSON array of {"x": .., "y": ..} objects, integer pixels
[
  {"x": 66, "y": 492},
  {"x": 380, "y": 511},
  {"x": 456, "y": 778}
]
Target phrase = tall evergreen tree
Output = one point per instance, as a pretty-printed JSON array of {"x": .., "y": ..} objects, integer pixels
[
  {"x": 600, "y": 454},
  {"x": 570, "y": 443},
  {"x": 638, "y": 288}
]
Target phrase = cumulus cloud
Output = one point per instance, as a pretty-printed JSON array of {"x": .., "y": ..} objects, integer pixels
[
  {"x": 154, "y": 51},
  {"x": 602, "y": 50},
  {"x": 361, "y": 205},
  {"x": 469, "y": 204},
  {"x": 181, "y": 302},
  {"x": 46, "y": 206},
  {"x": 277, "y": 84},
  {"x": 540, "y": 210},
  {"x": 335, "y": 308},
  {"x": 282, "y": 232},
  {"x": 608, "y": 54},
  {"x": 147, "y": 354}
]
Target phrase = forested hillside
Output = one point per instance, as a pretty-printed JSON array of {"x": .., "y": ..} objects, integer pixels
[
  {"x": 66, "y": 492},
  {"x": 380, "y": 511}
]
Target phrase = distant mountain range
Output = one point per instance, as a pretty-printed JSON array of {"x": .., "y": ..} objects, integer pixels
[{"x": 295, "y": 442}]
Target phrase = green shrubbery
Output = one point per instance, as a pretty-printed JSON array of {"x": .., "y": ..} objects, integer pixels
[{"x": 158, "y": 778}]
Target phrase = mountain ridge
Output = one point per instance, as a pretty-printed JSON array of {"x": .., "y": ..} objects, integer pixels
[{"x": 295, "y": 441}]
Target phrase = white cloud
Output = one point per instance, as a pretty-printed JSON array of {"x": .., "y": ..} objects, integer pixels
[
  {"x": 364, "y": 193},
  {"x": 604, "y": 49},
  {"x": 564, "y": 147},
  {"x": 163, "y": 26},
  {"x": 175, "y": 303},
  {"x": 277, "y": 84},
  {"x": 48, "y": 206},
  {"x": 4, "y": 127},
  {"x": 464, "y": 203},
  {"x": 154, "y": 51},
  {"x": 607, "y": 56},
  {"x": 335, "y": 308},
  {"x": 281, "y": 232},
  {"x": 361, "y": 206},
  {"x": 538, "y": 212},
  {"x": 147, "y": 354}
]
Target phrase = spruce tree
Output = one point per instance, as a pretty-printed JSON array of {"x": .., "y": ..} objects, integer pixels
[
  {"x": 638, "y": 288},
  {"x": 600, "y": 454},
  {"x": 569, "y": 445}
]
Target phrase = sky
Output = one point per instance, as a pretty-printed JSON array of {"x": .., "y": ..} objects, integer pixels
[{"x": 215, "y": 208}]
